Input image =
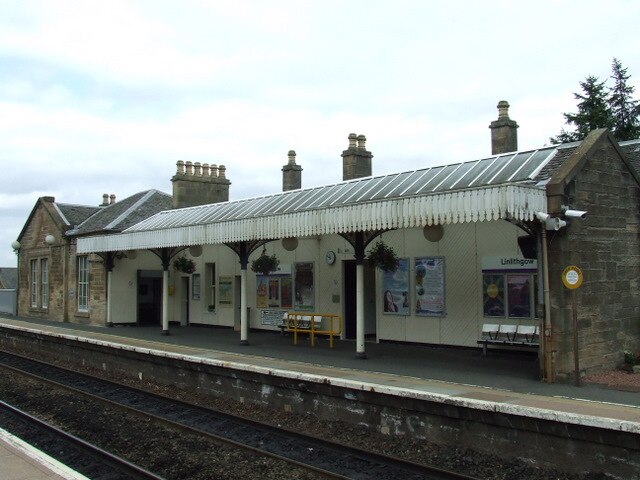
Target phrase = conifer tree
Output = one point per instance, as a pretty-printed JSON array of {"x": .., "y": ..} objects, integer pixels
[
  {"x": 593, "y": 112},
  {"x": 624, "y": 109}
]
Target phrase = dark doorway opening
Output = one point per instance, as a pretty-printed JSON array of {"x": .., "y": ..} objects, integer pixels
[
  {"x": 349, "y": 267},
  {"x": 149, "y": 298}
]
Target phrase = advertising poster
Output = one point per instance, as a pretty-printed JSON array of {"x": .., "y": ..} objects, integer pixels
[
  {"x": 303, "y": 283},
  {"x": 274, "y": 292},
  {"x": 429, "y": 286},
  {"x": 395, "y": 290},
  {"x": 225, "y": 290},
  {"x": 285, "y": 292},
  {"x": 262, "y": 289}
]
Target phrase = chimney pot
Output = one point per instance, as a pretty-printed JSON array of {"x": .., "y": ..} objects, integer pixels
[
  {"x": 105, "y": 199},
  {"x": 180, "y": 167},
  {"x": 197, "y": 169},
  {"x": 189, "y": 168},
  {"x": 205, "y": 169},
  {"x": 503, "y": 109},
  {"x": 221, "y": 171},
  {"x": 292, "y": 157},
  {"x": 352, "y": 140},
  {"x": 214, "y": 170},
  {"x": 112, "y": 199},
  {"x": 361, "y": 141}
]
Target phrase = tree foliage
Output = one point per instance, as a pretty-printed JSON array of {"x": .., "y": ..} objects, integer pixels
[
  {"x": 624, "y": 110},
  {"x": 603, "y": 107}
]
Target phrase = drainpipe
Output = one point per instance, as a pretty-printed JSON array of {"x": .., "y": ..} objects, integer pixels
[{"x": 547, "y": 334}]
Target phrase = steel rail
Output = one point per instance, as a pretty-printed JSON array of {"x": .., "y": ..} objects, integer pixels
[
  {"x": 426, "y": 471},
  {"x": 118, "y": 464}
]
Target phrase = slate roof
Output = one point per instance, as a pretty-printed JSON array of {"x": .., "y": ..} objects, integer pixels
[
  {"x": 74, "y": 215},
  {"x": 123, "y": 214},
  {"x": 8, "y": 277},
  {"x": 631, "y": 149}
]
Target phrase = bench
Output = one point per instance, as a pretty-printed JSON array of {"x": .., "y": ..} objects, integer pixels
[
  {"x": 527, "y": 336},
  {"x": 312, "y": 324}
]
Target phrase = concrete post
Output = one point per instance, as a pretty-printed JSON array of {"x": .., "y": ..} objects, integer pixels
[{"x": 109, "y": 321}]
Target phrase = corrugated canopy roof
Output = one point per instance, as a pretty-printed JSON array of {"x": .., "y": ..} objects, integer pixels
[{"x": 501, "y": 186}]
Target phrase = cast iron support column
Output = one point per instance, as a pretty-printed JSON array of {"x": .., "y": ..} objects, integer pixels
[
  {"x": 244, "y": 321},
  {"x": 109, "y": 264},
  {"x": 165, "y": 257},
  {"x": 359, "y": 254}
]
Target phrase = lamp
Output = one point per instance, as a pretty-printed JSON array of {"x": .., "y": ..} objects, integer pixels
[
  {"x": 15, "y": 245},
  {"x": 50, "y": 240}
]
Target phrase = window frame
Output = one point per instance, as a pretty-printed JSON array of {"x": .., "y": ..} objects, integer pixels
[{"x": 82, "y": 283}]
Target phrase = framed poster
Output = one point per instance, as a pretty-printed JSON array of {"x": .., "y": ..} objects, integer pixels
[
  {"x": 195, "y": 286},
  {"x": 395, "y": 290},
  {"x": 225, "y": 291},
  {"x": 429, "y": 286}
]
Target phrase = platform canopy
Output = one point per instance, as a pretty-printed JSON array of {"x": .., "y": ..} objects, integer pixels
[{"x": 499, "y": 187}]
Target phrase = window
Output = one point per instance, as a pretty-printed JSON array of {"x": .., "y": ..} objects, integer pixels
[
  {"x": 210, "y": 285},
  {"x": 514, "y": 301},
  {"x": 34, "y": 283},
  {"x": 83, "y": 284},
  {"x": 44, "y": 283},
  {"x": 39, "y": 283}
]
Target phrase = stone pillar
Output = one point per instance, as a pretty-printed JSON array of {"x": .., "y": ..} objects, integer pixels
[
  {"x": 504, "y": 131},
  {"x": 356, "y": 159},
  {"x": 291, "y": 174}
]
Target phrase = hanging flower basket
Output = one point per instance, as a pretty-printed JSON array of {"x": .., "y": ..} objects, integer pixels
[
  {"x": 184, "y": 265},
  {"x": 265, "y": 263},
  {"x": 383, "y": 257}
]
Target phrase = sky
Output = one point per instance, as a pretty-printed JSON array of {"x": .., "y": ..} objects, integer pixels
[{"x": 106, "y": 96}]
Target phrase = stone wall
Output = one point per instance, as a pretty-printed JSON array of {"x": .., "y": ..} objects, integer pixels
[
  {"x": 62, "y": 266},
  {"x": 605, "y": 246}
]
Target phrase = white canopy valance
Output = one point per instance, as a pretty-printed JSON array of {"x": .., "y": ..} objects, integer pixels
[{"x": 511, "y": 201}]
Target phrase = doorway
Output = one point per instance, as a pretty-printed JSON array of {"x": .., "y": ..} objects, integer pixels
[
  {"x": 184, "y": 313},
  {"x": 349, "y": 282},
  {"x": 149, "y": 297}
]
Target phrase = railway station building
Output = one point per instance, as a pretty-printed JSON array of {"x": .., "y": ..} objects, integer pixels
[{"x": 480, "y": 242}]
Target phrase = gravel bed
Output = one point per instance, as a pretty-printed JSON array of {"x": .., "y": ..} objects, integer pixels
[{"x": 464, "y": 461}]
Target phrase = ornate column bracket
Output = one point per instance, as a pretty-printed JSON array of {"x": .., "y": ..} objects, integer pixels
[{"x": 360, "y": 240}]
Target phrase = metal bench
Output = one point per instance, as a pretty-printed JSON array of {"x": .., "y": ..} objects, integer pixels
[
  {"x": 507, "y": 335},
  {"x": 312, "y": 324}
]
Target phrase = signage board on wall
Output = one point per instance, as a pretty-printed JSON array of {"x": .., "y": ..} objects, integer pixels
[
  {"x": 509, "y": 263},
  {"x": 429, "y": 286}
]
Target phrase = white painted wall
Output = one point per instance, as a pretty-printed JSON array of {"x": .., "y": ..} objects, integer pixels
[{"x": 462, "y": 246}]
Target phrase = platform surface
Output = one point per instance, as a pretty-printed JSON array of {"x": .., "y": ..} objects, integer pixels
[
  {"x": 20, "y": 461},
  {"x": 502, "y": 381}
]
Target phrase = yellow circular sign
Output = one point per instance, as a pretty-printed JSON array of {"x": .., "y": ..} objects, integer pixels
[
  {"x": 572, "y": 277},
  {"x": 492, "y": 290}
]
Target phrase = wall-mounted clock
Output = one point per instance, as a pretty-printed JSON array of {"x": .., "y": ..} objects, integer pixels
[{"x": 330, "y": 257}]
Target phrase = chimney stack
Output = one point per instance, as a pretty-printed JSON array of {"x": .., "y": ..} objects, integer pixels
[
  {"x": 504, "y": 135},
  {"x": 291, "y": 174},
  {"x": 356, "y": 159},
  {"x": 199, "y": 184}
]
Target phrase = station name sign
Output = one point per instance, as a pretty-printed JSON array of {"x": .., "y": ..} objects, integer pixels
[{"x": 509, "y": 263}]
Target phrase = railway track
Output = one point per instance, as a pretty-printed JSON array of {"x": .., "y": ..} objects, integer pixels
[
  {"x": 83, "y": 457},
  {"x": 323, "y": 458}
]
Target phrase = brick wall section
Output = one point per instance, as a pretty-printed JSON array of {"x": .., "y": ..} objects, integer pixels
[{"x": 605, "y": 246}]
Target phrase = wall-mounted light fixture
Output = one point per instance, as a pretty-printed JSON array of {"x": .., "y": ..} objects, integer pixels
[
  {"x": 50, "y": 240},
  {"x": 15, "y": 245}
]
